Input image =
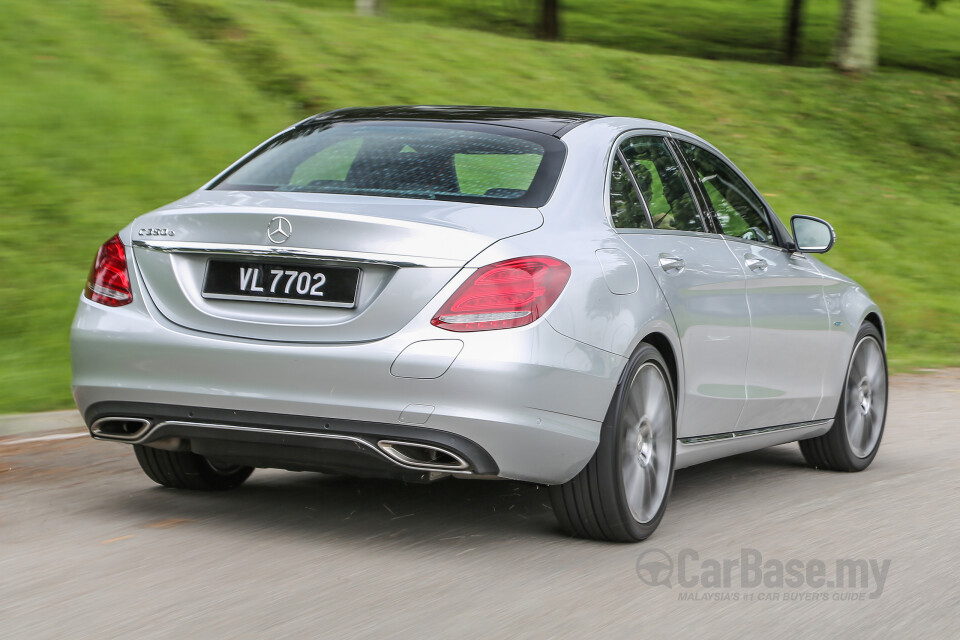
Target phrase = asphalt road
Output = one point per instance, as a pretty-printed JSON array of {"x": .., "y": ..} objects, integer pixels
[{"x": 90, "y": 548}]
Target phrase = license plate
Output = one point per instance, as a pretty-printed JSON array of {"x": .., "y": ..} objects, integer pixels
[{"x": 289, "y": 283}]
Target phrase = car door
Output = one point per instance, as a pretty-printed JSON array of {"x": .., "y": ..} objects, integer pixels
[
  {"x": 789, "y": 320},
  {"x": 653, "y": 208}
]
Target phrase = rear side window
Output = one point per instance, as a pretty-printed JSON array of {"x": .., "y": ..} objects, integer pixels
[
  {"x": 661, "y": 184},
  {"x": 625, "y": 207},
  {"x": 738, "y": 210},
  {"x": 434, "y": 161}
]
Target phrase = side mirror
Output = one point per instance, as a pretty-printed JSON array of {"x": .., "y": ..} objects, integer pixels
[{"x": 813, "y": 235}]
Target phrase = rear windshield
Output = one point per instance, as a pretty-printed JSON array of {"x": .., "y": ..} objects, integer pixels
[{"x": 434, "y": 161}]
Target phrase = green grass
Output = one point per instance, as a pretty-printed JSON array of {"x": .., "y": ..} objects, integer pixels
[
  {"x": 749, "y": 30},
  {"x": 114, "y": 107}
]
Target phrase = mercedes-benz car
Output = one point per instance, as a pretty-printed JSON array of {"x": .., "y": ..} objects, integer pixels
[{"x": 569, "y": 299}]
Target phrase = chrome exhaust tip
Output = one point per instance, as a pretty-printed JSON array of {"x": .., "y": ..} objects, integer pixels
[
  {"x": 423, "y": 456},
  {"x": 119, "y": 428}
]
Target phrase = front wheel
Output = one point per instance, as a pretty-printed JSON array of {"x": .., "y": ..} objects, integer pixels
[
  {"x": 854, "y": 439},
  {"x": 621, "y": 494}
]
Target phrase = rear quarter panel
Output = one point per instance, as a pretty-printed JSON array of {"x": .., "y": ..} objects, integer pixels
[{"x": 613, "y": 311}]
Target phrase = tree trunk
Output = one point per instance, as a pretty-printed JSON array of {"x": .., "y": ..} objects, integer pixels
[
  {"x": 856, "y": 47},
  {"x": 794, "y": 30},
  {"x": 369, "y": 7},
  {"x": 549, "y": 19}
]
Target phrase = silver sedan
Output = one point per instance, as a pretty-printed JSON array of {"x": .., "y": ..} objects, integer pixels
[{"x": 581, "y": 301}]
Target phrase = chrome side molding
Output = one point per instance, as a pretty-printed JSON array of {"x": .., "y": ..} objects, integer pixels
[{"x": 730, "y": 435}]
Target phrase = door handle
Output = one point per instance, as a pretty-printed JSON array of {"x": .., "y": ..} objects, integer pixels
[
  {"x": 671, "y": 263},
  {"x": 754, "y": 262}
]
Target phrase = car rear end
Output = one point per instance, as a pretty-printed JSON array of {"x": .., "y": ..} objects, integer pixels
[{"x": 341, "y": 317}]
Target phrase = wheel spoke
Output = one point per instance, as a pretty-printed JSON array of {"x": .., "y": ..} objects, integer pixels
[
  {"x": 653, "y": 400},
  {"x": 873, "y": 369},
  {"x": 633, "y": 480},
  {"x": 632, "y": 411},
  {"x": 628, "y": 456},
  {"x": 866, "y": 433},
  {"x": 855, "y": 427},
  {"x": 851, "y": 392},
  {"x": 663, "y": 440},
  {"x": 650, "y": 502},
  {"x": 856, "y": 370}
]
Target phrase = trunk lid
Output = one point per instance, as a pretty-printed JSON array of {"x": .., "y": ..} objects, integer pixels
[{"x": 406, "y": 250}]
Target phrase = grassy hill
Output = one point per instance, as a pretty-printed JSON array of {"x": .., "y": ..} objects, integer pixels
[
  {"x": 114, "y": 107},
  {"x": 750, "y": 30}
]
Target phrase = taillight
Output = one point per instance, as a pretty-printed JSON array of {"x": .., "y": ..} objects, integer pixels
[
  {"x": 504, "y": 295},
  {"x": 109, "y": 282}
]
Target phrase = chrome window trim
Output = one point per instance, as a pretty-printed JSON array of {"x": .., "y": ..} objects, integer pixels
[
  {"x": 331, "y": 255},
  {"x": 614, "y": 153},
  {"x": 670, "y": 232},
  {"x": 767, "y": 209},
  {"x": 755, "y": 243},
  {"x": 682, "y": 165},
  {"x": 636, "y": 189}
]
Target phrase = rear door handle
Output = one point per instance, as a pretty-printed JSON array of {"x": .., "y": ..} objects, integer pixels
[
  {"x": 754, "y": 262},
  {"x": 671, "y": 263}
]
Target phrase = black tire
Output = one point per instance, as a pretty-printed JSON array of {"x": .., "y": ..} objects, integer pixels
[
  {"x": 833, "y": 450},
  {"x": 186, "y": 470},
  {"x": 594, "y": 504}
]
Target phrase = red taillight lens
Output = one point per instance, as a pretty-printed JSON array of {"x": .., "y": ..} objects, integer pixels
[
  {"x": 109, "y": 282},
  {"x": 503, "y": 295}
]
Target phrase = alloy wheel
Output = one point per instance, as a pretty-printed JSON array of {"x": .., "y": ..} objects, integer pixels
[{"x": 646, "y": 442}]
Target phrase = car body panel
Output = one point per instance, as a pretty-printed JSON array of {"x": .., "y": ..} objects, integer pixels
[
  {"x": 708, "y": 302},
  {"x": 500, "y": 390},
  {"x": 789, "y": 327},
  {"x": 848, "y": 307},
  {"x": 407, "y": 250}
]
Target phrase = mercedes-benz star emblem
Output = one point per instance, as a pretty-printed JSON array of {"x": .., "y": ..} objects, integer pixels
[{"x": 279, "y": 230}]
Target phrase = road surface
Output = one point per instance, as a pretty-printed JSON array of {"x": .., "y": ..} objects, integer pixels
[{"x": 90, "y": 548}]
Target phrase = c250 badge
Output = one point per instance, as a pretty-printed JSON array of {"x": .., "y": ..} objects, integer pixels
[{"x": 155, "y": 232}]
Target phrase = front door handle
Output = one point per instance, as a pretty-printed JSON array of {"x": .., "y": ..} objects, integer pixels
[
  {"x": 671, "y": 263},
  {"x": 755, "y": 262}
]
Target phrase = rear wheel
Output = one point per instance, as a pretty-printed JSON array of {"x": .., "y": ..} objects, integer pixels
[
  {"x": 621, "y": 494},
  {"x": 187, "y": 470},
  {"x": 853, "y": 440}
]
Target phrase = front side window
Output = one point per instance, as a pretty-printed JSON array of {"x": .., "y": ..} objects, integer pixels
[
  {"x": 738, "y": 210},
  {"x": 662, "y": 184},
  {"x": 434, "y": 161}
]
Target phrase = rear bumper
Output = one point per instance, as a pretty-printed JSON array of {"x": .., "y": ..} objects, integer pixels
[
  {"x": 292, "y": 442},
  {"x": 524, "y": 403}
]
